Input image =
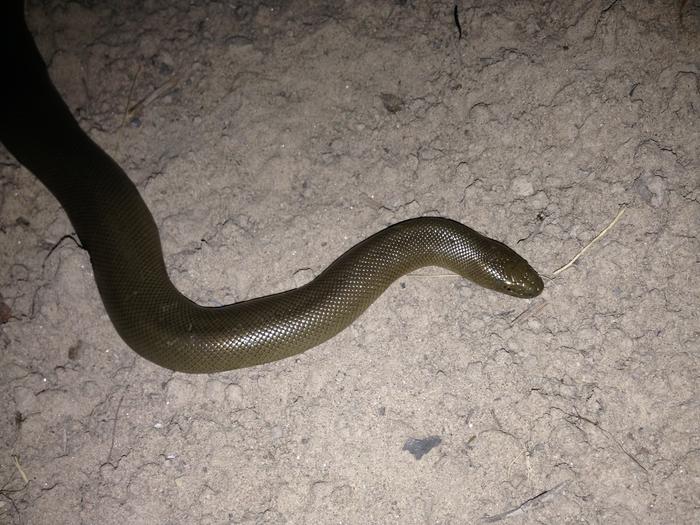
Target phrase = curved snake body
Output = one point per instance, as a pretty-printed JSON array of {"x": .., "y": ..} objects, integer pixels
[{"x": 151, "y": 315}]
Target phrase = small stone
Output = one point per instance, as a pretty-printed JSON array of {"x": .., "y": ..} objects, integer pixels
[
  {"x": 522, "y": 187},
  {"x": 392, "y": 103},
  {"x": 420, "y": 447}
]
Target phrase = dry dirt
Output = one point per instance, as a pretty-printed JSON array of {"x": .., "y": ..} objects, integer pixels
[{"x": 267, "y": 139}]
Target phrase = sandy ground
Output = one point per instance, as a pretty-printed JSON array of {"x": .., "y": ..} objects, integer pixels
[{"x": 266, "y": 141}]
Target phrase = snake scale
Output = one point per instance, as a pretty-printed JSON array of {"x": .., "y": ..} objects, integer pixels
[{"x": 118, "y": 231}]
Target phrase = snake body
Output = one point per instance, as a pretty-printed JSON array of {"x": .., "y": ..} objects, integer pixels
[{"x": 150, "y": 314}]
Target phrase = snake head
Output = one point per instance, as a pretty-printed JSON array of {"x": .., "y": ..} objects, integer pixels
[
  {"x": 525, "y": 283},
  {"x": 510, "y": 274}
]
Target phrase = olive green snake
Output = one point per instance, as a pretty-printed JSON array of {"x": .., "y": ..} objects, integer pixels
[{"x": 116, "y": 228}]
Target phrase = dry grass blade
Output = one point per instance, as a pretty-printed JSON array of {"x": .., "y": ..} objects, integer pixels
[
  {"x": 160, "y": 91},
  {"x": 596, "y": 239},
  {"x": 20, "y": 470}
]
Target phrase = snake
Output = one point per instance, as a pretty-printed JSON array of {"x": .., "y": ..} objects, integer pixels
[{"x": 115, "y": 226}]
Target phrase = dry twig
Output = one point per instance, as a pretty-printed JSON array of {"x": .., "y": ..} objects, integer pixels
[{"x": 528, "y": 504}]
